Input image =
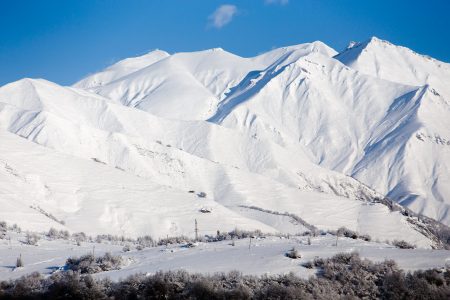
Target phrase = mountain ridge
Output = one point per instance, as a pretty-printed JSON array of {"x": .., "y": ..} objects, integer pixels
[{"x": 285, "y": 131}]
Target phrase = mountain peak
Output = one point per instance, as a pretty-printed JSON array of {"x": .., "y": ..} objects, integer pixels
[
  {"x": 378, "y": 42},
  {"x": 382, "y": 59},
  {"x": 216, "y": 49},
  {"x": 373, "y": 41}
]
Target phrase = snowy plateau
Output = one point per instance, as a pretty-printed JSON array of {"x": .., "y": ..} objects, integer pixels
[{"x": 301, "y": 138}]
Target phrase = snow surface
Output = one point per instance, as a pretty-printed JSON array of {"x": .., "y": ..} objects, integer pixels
[
  {"x": 300, "y": 129},
  {"x": 264, "y": 256},
  {"x": 376, "y": 111}
]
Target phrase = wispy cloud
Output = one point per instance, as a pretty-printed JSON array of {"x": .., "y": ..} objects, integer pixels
[
  {"x": 222, "y": 15},
  {"x": 281, "y": 2}
]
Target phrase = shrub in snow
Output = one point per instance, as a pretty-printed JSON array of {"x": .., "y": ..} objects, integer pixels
[
  {"x": 79, "y": 237},
  {"x": 113, "y": 239},
  {"x": 402, "y": 244},
  {"x": 109, "y": 262},
  {"x": 31, "y": 239},
  {"x": 19, "y": 262},
  {"x": 3, "y": 229},
  {"x": 16, "y": 228},
  {"x": 88, "y": 264},
  {"x": 83, "y": 264},
  {"x": 174, "y": 240},
  {"x": 365, "y": 237},
  {"x": 70, "y": 285},
  {"x": 393, "y": 286},
  {"x": 343, "y": 231},
  {"x": 279, "y": 290},
  {"x": 52, "y": 233},
  {"x": 191, "y": 245},
  {"x": 243, "y": 234},
  {"x": 26, "y": 287},
  {"x": 293, "y": 253},
  {"x": 58, "y": 234},
  {"x": 64, "y": 234},
  {"x": 145, "y": 241},
  {"x": 126, "y": 248}
]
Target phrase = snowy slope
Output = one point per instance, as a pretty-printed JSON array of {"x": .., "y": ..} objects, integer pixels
[
  {"x": 299, "y": 129},
  {"x": 422, "y": 155},
  {"x": 91, "y": 197},
  {"x": 353, "y": 123},
  {"x": 89, "y": 126},
  {"x": 384, "y": 60},
  {"x": 259, "y": 174}
]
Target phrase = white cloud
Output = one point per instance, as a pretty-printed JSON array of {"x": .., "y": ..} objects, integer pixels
[
  {"x": 222, "y": 15},
  {"x": 282, "y": 2}
]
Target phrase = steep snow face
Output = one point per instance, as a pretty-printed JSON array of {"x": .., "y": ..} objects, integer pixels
[
  {"x": 315, "y": 101},
  {"x": 410, "y": 160},
  {"x": 339, "y": 115},
  {"x": 327, "y": 108},
  {"x": 369, "y": 128},
  {"x": 422, "y": 160},
  {"x": 399, "y": 64}
]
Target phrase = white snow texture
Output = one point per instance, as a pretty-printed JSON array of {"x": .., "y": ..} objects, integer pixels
[{"x": 300, "y": 129}]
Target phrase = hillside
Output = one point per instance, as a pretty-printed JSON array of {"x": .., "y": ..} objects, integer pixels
[{"x": 298, "y": 133}]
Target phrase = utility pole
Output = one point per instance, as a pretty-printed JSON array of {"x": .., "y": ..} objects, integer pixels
[
  {"x": 250, "y": 243},
  {"x": 93, "y": 251},
  {"x": 196, "y": 231}
]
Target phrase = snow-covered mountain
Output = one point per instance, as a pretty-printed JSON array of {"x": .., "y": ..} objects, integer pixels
[{"x": 303, "y": 129}]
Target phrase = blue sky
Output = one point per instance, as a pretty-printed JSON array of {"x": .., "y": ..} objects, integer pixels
[{"x": 63, "y": 41}]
